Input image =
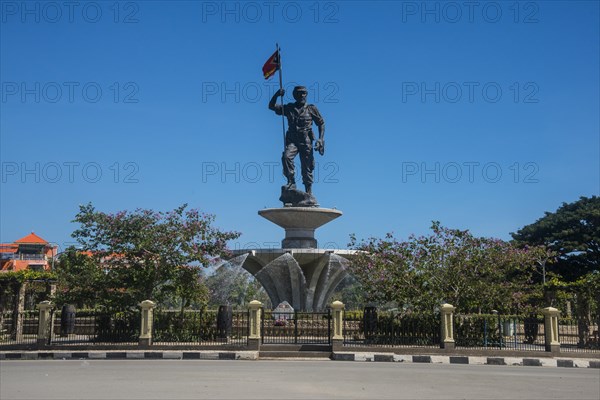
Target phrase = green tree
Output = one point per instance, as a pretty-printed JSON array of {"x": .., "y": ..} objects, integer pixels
[
  {"x": 141, "y": 255},
  {"x": 80, "y": 279},
  {"x": 450, "y": 265},
  {"x": 573, "y": 232},
  {"x": 350, "y": 292},
  {"x": 15, "y": 285},
  {"x": 188, "y": 288}
]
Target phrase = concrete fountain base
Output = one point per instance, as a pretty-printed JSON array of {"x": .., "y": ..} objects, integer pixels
[
  {"x": 305, "y": 278},
  {"x": 298, "y": 273}
]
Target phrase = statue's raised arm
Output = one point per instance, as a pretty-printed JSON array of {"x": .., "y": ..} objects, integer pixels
[{"x": 273, "y": 103}]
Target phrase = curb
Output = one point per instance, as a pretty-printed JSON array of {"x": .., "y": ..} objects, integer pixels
[
  {"x": 560, "y": 362},
  {"x": 131, "y": 355}
]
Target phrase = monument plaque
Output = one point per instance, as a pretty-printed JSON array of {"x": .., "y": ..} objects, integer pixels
[{"x": 283, "y": 311}]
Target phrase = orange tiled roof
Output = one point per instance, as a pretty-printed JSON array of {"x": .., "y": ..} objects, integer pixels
[
  {"x": 90, "y": 253},
  {"x": 8, "y": 248},
  {"x": 32, "y": 238}
]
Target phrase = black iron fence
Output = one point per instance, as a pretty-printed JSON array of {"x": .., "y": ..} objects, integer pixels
[
  {"x": 371, "y": 327},
  {"x": 227, "y": 328},
  {"x": 19, "y": 330},
  {"x": 295, "y": 327},
  {"x": 504, "y": 332},
  {"x": 578, "y": 335},
  {"x": 95, "y": 327},
  {"x": 200, "y": 327}
]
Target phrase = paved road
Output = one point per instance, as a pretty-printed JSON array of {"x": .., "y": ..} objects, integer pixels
[{"x": 193, "y": 379}]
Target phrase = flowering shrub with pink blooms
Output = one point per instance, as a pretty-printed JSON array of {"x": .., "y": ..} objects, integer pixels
[
  {"x": 448, "y": 266},
  {"x": 130, "y": 256}
]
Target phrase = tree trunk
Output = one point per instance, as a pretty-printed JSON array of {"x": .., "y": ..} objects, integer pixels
[
  {"x": 19, "y": 313},
  {"x": 50, "y": 290},
  {"x": 4, "y": 296},
  {"x": 583, "y": 320}
]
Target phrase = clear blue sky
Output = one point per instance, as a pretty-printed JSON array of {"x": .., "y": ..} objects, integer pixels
[{"x": 423, "y": 109}]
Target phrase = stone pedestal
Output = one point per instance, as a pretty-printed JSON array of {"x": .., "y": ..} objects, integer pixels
[
  {"x": 299, "y": 224},
  {"x": 45, "y": 323},
  {"x": 145, "y": 339},
  {"x": 551, "y": 329},
  {"x": 447, "y": 315}
]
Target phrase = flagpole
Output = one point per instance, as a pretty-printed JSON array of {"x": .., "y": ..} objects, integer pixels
[{"x": 281, "y": 87}]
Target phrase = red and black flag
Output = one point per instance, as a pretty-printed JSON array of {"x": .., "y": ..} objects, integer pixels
[{"x": 272, "y": 65}]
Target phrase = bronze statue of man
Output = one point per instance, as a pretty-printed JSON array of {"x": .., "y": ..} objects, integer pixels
[{"x": 299, "y": 137}]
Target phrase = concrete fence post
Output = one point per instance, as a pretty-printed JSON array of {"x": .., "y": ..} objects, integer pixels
[
  {"x": 337, "y": 340},
  {"x": 447, "y": 320},
  {"x": 44, "y": 323},
  {"x": 147, "y": 320},
  {"x": 254, "y": 308},
  {"x": 551, "y": 329}
]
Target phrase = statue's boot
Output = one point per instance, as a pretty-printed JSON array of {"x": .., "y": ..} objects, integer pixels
[{"x": 291, "y": 184}]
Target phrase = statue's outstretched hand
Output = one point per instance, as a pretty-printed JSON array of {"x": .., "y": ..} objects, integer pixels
[
  {"x": 320, "y": 146},
  {"x": 280, "y": 92}
]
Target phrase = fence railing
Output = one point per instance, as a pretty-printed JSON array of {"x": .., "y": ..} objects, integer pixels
[
  {"x": 95, "y": 327},
  {"x": 19, "y": 329},
  {"x": 296, "y": 327},
  {"x": 377, "y": 329},
  {"x": 502, "y": 332},
  {"x": 390, "y": 329},
  {"x": 199, "y": 328},
  {"x": 578, "y": 336}
]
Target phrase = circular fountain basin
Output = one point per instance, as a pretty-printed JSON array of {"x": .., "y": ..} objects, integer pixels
[{"x": 300, "y": 224}]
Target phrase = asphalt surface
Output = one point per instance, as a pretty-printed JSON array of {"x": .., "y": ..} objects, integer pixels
[{"x": 191, "y": 379}]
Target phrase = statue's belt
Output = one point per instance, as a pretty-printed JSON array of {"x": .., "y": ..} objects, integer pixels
[{"x": 301, "y": 133}]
